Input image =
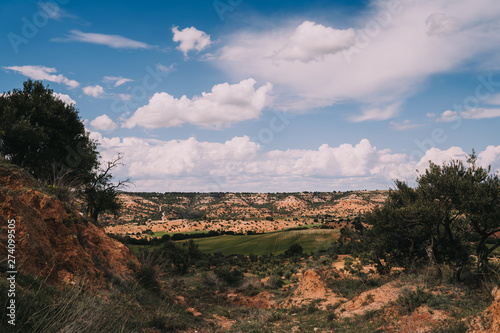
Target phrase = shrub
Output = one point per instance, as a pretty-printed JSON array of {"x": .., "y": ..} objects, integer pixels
[
  {"x": 275, "y": 282},
  {"x": 231, "y": 277},
  {"x": 410, "y": 300}
]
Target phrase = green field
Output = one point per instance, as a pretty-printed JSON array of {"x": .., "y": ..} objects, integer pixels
[{"x": 276, "y": 242}]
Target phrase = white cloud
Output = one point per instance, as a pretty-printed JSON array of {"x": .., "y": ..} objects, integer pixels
[
  {"x": 406, "y": 124},
  {"x": 311, "y": 41},
  {"x": 481, "y": 113},
  {"x": 241, "y": 165},
  {"x": 477, "y": 113},
  {"x": 65, "y": 98},
  {"x": 391, "y": 58},
  {"x": 440, "y": 24},
  {"x": 378, "y": 113},
  {"x": 224, "y": 105},
  {"x": 118, "y": 80},
  {"x": 94, "y": 91},
  {"x": 103, "y": 123},
  {"x": 191, "y": 39},
  {"x": 447, "y": 116},
  {"x": 43, "y": 73},
  {"x": 114, "y": 41},
  {"x": 490, "y": 157},
  {"x": 430, "y": 115}
]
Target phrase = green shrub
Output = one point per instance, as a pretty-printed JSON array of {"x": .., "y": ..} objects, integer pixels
[
  {"x": 275, "y": 282},
  {"x": 410, "y": 300},
  {"x": 231, "y": 277}
]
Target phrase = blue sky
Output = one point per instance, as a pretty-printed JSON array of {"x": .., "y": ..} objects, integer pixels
[{"x": 240, "y": 95}]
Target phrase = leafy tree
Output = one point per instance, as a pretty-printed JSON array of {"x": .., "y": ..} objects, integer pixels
[
  {"x": 44, "y": 135},
  {"x": 453, "y": 212},
  {"x": 294, "y": 249}
]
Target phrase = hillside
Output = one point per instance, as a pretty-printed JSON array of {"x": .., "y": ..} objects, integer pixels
[
  {"x": 238, "y": 212},
  {"x": 51, "y": 239}
]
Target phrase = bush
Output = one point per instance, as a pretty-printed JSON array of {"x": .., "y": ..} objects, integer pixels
[
  {"x": 410, "y": 300},
  {"x": 147, "y": 275},
  {"x": 294, "y": 249},
  {"x": 275, "y": 282},
  {"x": 231, "y": 277}
]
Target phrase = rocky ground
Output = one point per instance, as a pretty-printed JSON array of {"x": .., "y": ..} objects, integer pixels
[{"x": 53, "y": 240}]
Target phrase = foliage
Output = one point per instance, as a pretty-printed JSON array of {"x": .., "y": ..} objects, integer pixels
[
  {"x": 44, "y": 135},
  {"x": 294, "y": 249},
  {"x": 232, "y": 277},
  {"x": 410, "y": 300},
  {"x": 99, "y": 193},
  {"x": 452, "y": 213}
]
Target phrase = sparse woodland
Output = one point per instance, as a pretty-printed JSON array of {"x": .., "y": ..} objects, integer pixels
[{"x": 423, "y": 260}]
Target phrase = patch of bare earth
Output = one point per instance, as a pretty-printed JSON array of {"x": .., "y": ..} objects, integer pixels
[
  {"x": 370, "y": 300},
  {"x": 489, "y": 320},
  {"x": 263, "y": 300},
  {"x": 312, "y": 288}
]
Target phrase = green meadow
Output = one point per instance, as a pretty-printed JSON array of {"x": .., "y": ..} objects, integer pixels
[{"x": 275, "y": 242}]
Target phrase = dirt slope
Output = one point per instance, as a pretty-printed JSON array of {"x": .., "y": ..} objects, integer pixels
[{"x": 53, "y": 242}]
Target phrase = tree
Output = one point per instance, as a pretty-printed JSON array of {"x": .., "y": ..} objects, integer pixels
[
  {"x": 99, "y": 193},
  {"x": 44, "y": 135},
  {"x": 453, "y": 212}
]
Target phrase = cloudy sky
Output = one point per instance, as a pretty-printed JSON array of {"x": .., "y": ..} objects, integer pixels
[{"x": 267, "y": 96}]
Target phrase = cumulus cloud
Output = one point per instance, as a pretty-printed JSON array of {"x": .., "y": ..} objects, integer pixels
[
  {"x": 94, "y": 91},
  {"x": 191, "y": 39},
  {"x": 114, "y": 41},
  {"x": 392, "y": 55},
  {"x": 406, "y": 124},
  {"x": 43, "y": 73},
  {"x": 311, "y": 41},
  {"x": 240, "y": 164},
  {"x": 65, "y": 98},
  {"x": 224, "y": 105},
  {"x": 103, "y": 123},
  {"x": 117, "y": 80}
]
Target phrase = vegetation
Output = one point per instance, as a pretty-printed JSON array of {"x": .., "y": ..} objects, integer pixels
[
  {"x": 452, "y": 214},
  {"x": 46, "y": 137},
  {"x": 430, "y": 242},
  {"x": 276, "y": 242}
]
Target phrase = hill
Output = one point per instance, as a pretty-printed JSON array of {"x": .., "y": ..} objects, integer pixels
[
  {"x": 237, "y": 212},
  {"x": 52, "y": 239}
]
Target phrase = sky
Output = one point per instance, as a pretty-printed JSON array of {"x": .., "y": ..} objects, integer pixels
[{"x": 267, "y": 96}]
